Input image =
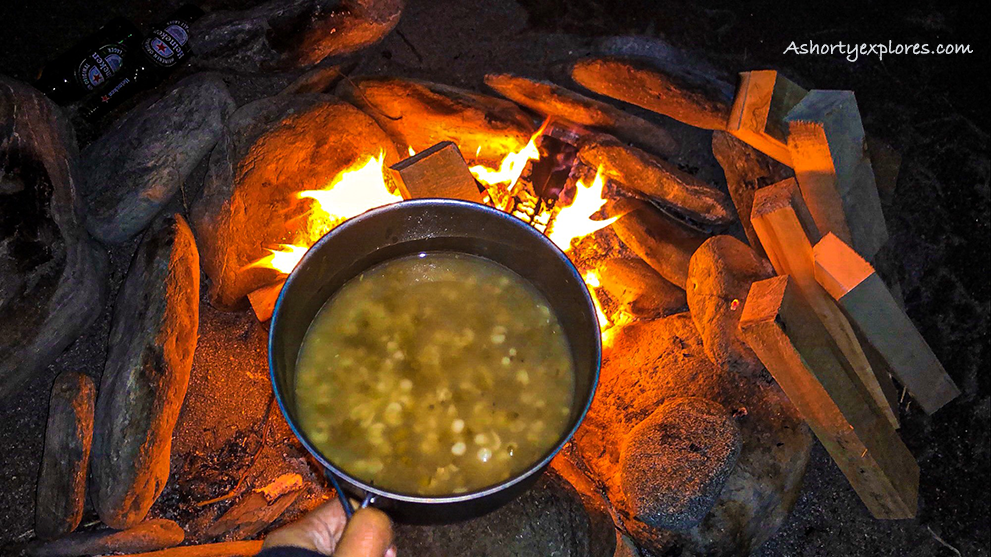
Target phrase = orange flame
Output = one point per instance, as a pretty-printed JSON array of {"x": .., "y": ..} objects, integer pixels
[
  {"x": 352, "y": 192},
  {"x": 284, "y": 260},
  {"x": 573, "y": 221},
  {"x": 511, "y": 167}
]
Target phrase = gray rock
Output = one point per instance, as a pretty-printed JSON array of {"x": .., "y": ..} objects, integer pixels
[
  {"x": 152, "y": 341},
  {"x": 68, "y": 437},
  {"x": 719, "y": 278},
  {"x": 676, "y": 461},
  {"x": 640, "y": 290},
  {"x": 280, "y": 35},
  {"x": 651, "y": 362},
  {"x": 550, "y": 99},
  {"x": 548, "y": 519},
  {"x": 136, "y": 168},
  {"x": 150, "y": 535},
  {"x": 746, "y": 170},
  {"x": 53, "y": 277},
  {"x": 271, "y": 150}
]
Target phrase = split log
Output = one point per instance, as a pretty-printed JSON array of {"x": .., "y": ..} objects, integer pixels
[
  {"x": 787, "y": 232},
  {"x": 671, "y": 87},
  {"x": 68, "y": 436},
  {"x": 640, "y": 290},
  {"x": 226, "y": 549},
  {"x": 150, "y": 535},
  {"x": 152, "y": 340},
  {"x": 833, "y": 168},
  {"x": 550, "y": 99},
  {"x": 420, "y": 114},
  {"x": 439, "y": 171},
  {"x": 782, "y": 329},
  {"x": 258, "y": 509},
  {"x": 664, "y": 243},
  {"x": 868, "y": 303},
  {"x": 746, "y": 170},
  {"x": 763, "y": 99},
  {"x": 657, "y": 179}
]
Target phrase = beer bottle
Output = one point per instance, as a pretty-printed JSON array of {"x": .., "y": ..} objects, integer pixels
[
  {"x": 159, "y": 54},
  {"x": 91, "y": 63}
]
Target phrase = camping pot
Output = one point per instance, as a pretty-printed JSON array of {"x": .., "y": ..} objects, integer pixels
[{"x": 416, "y": 226}]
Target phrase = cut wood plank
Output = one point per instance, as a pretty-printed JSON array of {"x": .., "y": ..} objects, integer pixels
[
  {"x": 826, "y": 140},
  {"x": 786, "y": 231},
  {"x": 780, "y": 327},
  {"x": 763, "y": 99},
  {"x": 872, "y": 309},
  {"x": 439, "y": 171}
]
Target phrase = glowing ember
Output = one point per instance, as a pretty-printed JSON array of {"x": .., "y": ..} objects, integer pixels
[
  {"x": 284, "y": 260},
  {"x": 352, "y": 192},
  {"x": 573, "y": 221}
]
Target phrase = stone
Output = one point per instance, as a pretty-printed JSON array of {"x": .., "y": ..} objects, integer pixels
[
  {"x": 672, "y": 86},
  {"x": 150, "y": 535},
  {"x": 549, "y": 99},
  {"x": 640, "y": 290},
  {"x": 658, "y": 179},
  {"x": 420, "y": 114},
  {"x": 225, "y": 549},
  {"x": 550, "y": 518},
  {"x": 746, "y": 170},
  {"x": 152, "y": 340},
  {"x": 650, "y": 362},
  {"x": 53, "y": 277},
  {"x": 676, "y": 461},
  {"x": 719, "y": 278},
  {"x": 132, "y": 171},
  {"x": 271, "y": 150},
  {"x": 662, "y": 242},
  {"x": 68, "y": 437},
  {"x": 278, "y": 35}
]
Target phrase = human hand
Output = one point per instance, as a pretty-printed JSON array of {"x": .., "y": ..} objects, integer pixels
[{"x": 327, "y": 530}]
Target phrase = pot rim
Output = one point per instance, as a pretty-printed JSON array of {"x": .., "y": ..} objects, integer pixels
[{"x": 441, "y": 499}]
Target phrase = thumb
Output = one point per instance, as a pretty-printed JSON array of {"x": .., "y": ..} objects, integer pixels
[{"x": 367, "y": 534}]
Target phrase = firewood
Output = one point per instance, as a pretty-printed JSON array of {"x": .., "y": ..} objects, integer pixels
[
  {"x": 787, "y": 233},
  {"x": 868, "y": 303},
  {"x": 226, "y": 549},
  {"x": 263, "y": 300},
  {"x": 782, "y": 329},
  {"x": 826, "y": 141},
  {"x": 763, "y": 98},
  {"x": 439, "y": 171}
]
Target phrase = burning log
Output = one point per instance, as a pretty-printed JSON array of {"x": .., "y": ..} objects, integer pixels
[
  {"x": 440, "y": 171},
  {"x": 272, "y": 152},
  {"x": 53, "y": 278},
  {"x": 786, "y": 230},
  {"x": 763, "y": 99},
  {"x": 655, "y": 482},
  {"x": 746, "y": 170},
  {"x": 152, "y": 341},
  {"x": 657, "y": 179},
  {"x": 421, "y": 114},
  {"x": 150, "y": 535},
  {"x": 549, "y": 99},
  {"x": 280, "y": 35},
  {"x": 672, "y": 87},
  {"x": 664, "y": 243},
  {"x": 826, "y": 140},
  {"x": 68, "y": 437},
  {"x": 719, "y": 277},
  {"x": 640, "y": 290},
  {"x": 868, "y": 303},
  {"x": 782, "y": 328},
  {"x": 134, "y": 170}
]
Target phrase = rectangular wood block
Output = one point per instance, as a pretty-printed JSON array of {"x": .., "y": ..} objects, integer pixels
[
  {"x": 439, "y": 171},
  {"x": 763, "y": 98},
  {"x": 865, "y": 299},
  {"x": 781, "y": 328}
]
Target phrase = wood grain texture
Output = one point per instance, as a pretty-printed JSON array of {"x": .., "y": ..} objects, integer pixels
[
  {"x": 439, "y": 171},
  {"x": 763, "y": 99}
]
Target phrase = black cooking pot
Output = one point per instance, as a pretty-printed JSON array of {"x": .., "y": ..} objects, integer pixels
[{"x": 416, "y": 226}]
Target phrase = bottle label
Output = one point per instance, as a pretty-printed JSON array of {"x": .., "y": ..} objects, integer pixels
[
  {"x": 100, "y": 66},
  {"x": 166, "y": 45}
]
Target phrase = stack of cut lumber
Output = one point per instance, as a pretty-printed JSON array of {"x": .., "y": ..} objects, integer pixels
[{"x": 827, "y": 327}]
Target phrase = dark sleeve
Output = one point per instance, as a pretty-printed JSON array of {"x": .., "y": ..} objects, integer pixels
[{"x": 288, "y": 551}]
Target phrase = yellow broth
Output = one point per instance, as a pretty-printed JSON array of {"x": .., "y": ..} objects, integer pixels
[{"x": 435, "y": 374}]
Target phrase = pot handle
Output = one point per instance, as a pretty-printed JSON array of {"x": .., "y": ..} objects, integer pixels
[{"x": 343, "y": 498}]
